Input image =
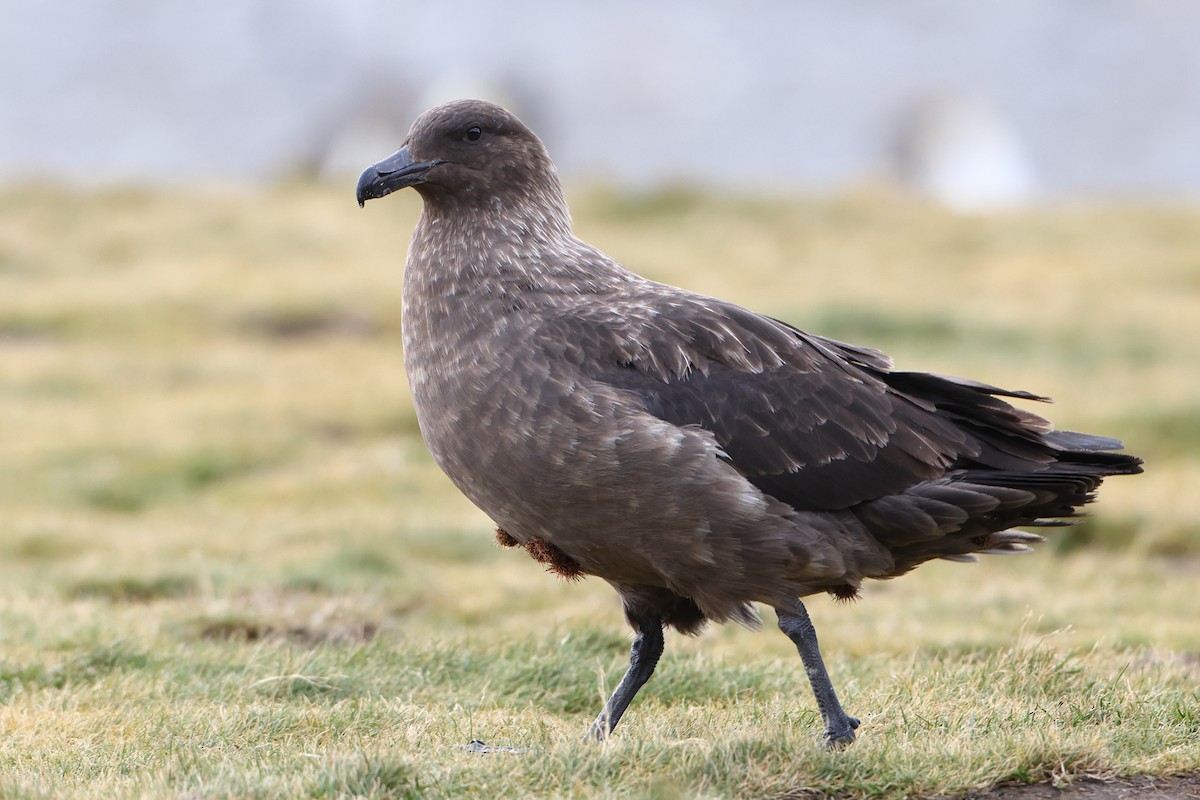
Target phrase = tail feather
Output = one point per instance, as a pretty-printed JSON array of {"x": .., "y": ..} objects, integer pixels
[
  {"x": 1083, "y": 442},
  {"x": 1023, "y": 473},
  {"x": 976, "y": 510}
]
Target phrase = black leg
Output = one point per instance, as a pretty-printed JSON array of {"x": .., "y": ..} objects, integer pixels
[
  {"x": 643, "y": 658},
  {"x": 839, "y": 728}
]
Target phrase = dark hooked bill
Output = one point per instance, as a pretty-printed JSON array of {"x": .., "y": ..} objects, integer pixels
[{"x": 394, "y": 172}]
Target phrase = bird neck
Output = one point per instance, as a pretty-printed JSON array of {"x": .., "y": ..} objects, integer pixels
[
  {"x": 492, "y": 257},
  {"x": 521, "y": 209}
]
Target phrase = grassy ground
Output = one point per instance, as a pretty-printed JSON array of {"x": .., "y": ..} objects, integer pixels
[{"x": 229, "y": 569}]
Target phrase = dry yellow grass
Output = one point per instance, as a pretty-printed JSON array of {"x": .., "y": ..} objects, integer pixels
[{"x": 228, "y": 567}]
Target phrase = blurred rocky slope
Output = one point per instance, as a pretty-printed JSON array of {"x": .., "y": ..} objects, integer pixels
[{"x": 984, "y": 104}]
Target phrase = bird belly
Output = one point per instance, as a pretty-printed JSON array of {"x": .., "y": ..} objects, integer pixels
[{"x": 625, "y": 495}]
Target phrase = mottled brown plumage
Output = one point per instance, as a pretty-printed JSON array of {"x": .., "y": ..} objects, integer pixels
[
  {"x": 546, "y": 553},
  {"x": 696, "y": 455},
  {"x": 553, "y": 559}
]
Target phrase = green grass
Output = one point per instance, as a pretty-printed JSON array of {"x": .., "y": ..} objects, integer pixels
[{"x": 228, "y": 567}]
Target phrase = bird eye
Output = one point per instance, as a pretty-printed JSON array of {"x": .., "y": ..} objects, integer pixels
[{"x": 474, "y": 133}]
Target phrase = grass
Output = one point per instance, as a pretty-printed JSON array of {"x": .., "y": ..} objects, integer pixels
[{"x": 228, "y": 568}]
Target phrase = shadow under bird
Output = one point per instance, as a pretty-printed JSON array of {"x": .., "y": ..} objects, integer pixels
[{"x": 696, "y": 455}]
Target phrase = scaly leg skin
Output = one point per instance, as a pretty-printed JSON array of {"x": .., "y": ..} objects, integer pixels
[
  {"x": 839, "y": 728},
  {"x": 643, "y": 658}
]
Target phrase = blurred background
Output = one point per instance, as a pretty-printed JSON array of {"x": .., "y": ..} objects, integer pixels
[{"x": 986, "y": 104}]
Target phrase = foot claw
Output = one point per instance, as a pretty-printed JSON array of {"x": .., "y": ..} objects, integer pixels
[
  {"x": 843, "y": 735},
  {"x": 478, "y": 746},
  {"x": 837, "y": 740},
  {"x": 598, "y": 732}
]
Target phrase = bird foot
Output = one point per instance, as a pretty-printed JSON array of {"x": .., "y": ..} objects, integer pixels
[
  {"x": 598, "y": 731},
  {"x": 478, "y": 746},
  {"x": 839, "y": 736}
]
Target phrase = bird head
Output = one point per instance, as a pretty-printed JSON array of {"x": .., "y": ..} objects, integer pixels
[{"x": 468, "y": 152}]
